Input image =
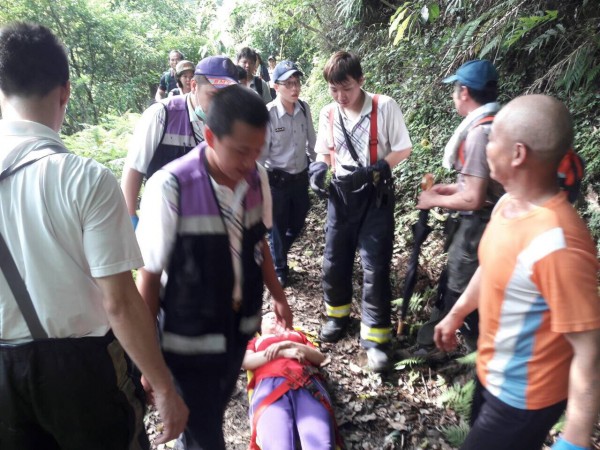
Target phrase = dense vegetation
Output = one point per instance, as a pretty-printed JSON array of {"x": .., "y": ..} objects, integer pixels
[{"x": 118, "y": 49}]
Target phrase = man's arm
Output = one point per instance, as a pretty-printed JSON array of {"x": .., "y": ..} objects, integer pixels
[
  {"x": 472, "y": 198},
  {"x": 584, "y": 387},
  {"x": 148, "y": 284},
  {"x": 134, "y": 327},
  {"x": 131, "y": 182},
  {"x": 395, "y": 158},
  {"x": 280, "y": 304},
  {"x": 445, "y": 332}
]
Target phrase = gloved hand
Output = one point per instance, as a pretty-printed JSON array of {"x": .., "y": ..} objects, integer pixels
[
  {"x": 380, "y": 171},
  {"x": 375, "y": 173},
  {"x": 563, "y": 444},
  {"x": 317, "y": 172},
  {"x": 134, "y": 221}
]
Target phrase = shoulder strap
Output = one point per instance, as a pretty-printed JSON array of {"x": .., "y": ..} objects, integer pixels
[
  {"x": 351, "y": 148},
  {"x": 302, "y": 107},
  {"x": 373, "y": 131},
  {"x": 20, "y": 292},
  {"x": 40, "y": 151},
  {"x": 486, "y": 120},
  {"x": 7, "y": 262},
  {"x": 258, "y": 85},
  {"x": 331, "y": 136}
]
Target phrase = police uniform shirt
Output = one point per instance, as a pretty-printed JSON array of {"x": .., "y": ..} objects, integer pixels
[{"x": 290, "y": 138}]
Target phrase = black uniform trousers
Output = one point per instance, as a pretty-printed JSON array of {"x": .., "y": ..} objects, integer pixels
[{"x": 361, "y": 219}]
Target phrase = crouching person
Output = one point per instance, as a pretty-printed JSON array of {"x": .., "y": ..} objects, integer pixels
[{"x": 289, "y": 398}]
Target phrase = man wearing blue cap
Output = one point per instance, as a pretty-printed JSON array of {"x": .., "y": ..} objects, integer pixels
[
  {"x": 170, "y": 128},
  {"x": 473, "y": 195},
  {"x": 289, "y": 145}
]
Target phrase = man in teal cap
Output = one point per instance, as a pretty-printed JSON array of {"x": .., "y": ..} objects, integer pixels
[{"x": 475, "y": 90}]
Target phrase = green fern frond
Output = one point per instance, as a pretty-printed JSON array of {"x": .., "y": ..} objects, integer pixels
[
  {"x": 468, "y": 360},
  {"x": 459, "y": 398},
  {"x": 560, "y": 425},
  {"x": 494, "y": 43},
  {"x": 409, "y": 362},
  {"x": 543, "y": 40},
  {"x": 577, "y": 65},
  {"x": 456, "y": 434}
]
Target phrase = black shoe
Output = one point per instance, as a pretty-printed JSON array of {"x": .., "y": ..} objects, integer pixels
[
  {"x": 282, "y": 280},
  {"x": 377, "y": 360},
  {"x": 334, "y": 329}
]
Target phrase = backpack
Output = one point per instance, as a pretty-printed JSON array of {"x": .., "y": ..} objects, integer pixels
[
  {"x": 570, "y": 174},
  {"x": 571, "y": 168},
  {"x": 258, "y": 85}
]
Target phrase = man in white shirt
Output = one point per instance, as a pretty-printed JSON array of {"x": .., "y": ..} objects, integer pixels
[{"x": 67, "y": 297}]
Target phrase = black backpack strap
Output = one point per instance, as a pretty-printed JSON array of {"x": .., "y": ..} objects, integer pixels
[
  {"x": 20, "y": 292},
  {"x": 258, "y": 85},
  {"x": 302, "y": 107}
]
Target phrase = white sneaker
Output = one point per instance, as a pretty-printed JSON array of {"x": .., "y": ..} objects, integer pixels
[{"x": 377, "y": 360}]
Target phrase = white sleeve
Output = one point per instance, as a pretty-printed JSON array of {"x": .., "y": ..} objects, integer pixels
[
  {"x": 323, "y": 133},
  {"x": 159, "y": 215},
  {"x": 108, "y": 240},
  {"x": 266, "y": 194},
  {"x": 311, "y": 137},
  {"x": 396, "y": 130},
  {"x": 146, "y": 137}
]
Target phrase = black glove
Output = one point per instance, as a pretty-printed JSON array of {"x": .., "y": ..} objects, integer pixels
[
  {"x": 317, "y": 171},
  {"x": 375, "y": 174},
  {"x": 380, "y": 171}
]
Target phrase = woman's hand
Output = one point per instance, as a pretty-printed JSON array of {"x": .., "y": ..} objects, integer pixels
[{"x": 274, "y": 350}]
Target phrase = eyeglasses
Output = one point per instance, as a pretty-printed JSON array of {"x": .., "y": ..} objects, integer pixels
[{"x": 290, "y": 84}]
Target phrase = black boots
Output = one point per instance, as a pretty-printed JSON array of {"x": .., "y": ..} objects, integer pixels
[{"x": 334, "y": 329}]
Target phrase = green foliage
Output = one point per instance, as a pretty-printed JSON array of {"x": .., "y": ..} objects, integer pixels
[
  {"x": 409, "y": 17},
  {"x": 560, "y": 425},
  {"x": 117, "y": 51},
  {"x": 409, "y": 362},
  {"x": 456, "y": 434},
  {"x": 106, "y": 143},
  {"x": 468, "y": 360},
  {"x": 459, "y": 398}
]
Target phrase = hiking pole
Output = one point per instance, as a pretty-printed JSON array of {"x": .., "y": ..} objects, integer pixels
[{"x": 420, "y": 232}]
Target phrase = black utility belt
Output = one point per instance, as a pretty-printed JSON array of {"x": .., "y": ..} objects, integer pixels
[
  {"x": 281, "y": 176},
  {"x": 484, "y": 214}
]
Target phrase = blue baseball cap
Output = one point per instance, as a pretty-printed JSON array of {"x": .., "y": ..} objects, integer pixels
[
  {"x": 284, "y": 70},
  {"x": 475, "y": 74},
  {"x": 218, "y": 70}
]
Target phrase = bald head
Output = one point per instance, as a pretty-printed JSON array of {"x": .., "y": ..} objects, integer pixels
[{"x": 540, "y": 122}]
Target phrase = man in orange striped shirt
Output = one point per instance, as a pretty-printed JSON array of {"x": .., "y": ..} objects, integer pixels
[{"x": 536, "y": 290}]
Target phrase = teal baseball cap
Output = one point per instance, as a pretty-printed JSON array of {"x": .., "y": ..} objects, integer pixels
[{"x": 475, "y": 74}]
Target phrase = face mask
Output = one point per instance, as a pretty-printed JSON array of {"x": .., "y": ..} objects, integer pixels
[{"x": 201, "y": 115}]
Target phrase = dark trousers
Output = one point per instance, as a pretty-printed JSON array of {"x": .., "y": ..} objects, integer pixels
[
  {"x": 70, "y": 394},
  {"x": 359, "y": 220},
  {"x": 206, "y": 383},
  {"x": 462, "y": 264},
  {"x": 498, "y": 426},
  {"x": 290, "y": 207}
]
